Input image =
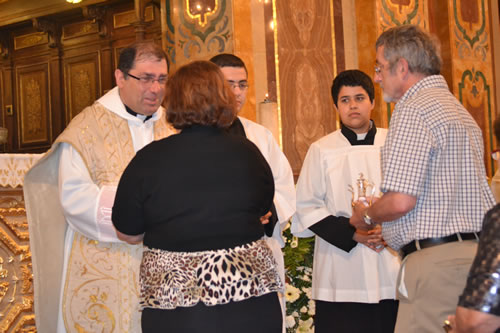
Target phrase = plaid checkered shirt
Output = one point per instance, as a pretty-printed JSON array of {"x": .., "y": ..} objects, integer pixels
[{"x": 434, "y": 152}]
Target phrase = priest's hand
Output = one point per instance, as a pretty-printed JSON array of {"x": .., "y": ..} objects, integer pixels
[{"x": 265, "y": 219}]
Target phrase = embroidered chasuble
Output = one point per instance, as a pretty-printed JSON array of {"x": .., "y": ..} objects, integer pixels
[{"x": 101, "y": 288}]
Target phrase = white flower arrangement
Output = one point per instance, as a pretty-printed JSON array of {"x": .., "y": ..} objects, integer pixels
[
  {"x": 291, "y": 293},
  {"x": 289, "y": 322},
  {"x": 306, "y": 326},
  {"x": 300, "y": 308}
]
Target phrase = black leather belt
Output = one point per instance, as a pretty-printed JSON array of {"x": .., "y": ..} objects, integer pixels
[{"x": 429, "y": 242}]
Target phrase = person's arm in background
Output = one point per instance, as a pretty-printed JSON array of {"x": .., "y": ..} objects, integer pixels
[
  {"x": 495, "y": 184},
  {"x": 284, "y": 187},
  {"x": 87, "y": 207},
  {"x": 472, "y": 321},
  {"x": 481, "y": 290}
]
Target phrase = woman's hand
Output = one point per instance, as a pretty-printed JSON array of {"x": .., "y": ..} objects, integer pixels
[
  {"x": 131, "y": 239},
  {"x": 265, "y": 219}
]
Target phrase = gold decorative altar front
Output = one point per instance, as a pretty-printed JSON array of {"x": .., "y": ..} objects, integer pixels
[{"x": 16, "y": 288}]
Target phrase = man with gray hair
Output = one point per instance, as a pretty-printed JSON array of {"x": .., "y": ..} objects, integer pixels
[{"x": 434, "y": 181}]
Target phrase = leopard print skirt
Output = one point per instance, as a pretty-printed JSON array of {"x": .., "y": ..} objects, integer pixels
[{"x": 182, "y": 279}]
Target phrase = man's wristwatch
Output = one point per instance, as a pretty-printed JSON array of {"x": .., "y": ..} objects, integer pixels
[{"x": 367, "y": 218}]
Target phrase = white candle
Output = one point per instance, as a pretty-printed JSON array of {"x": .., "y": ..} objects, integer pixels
[{"x": 267, "y": 116}]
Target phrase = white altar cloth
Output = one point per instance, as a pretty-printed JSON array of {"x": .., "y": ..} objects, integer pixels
[{"x": 13, "y": 167}]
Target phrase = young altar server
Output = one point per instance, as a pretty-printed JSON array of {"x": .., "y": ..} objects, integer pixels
[
  {"x": 236, "y": 74},
  {"x": 354, "y": 273}
]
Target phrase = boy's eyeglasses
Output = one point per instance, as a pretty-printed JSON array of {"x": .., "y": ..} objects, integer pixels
[{"x": 242, "y": 85}]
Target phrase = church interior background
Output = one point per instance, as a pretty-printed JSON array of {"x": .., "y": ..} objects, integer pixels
[{"x": 57, "y": 57}]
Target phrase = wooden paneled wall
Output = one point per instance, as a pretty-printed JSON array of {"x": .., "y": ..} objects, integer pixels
[{"x": 53, "y": 66}]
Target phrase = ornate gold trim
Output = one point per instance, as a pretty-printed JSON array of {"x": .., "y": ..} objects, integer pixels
[
  {"x": 80, "y": 29},
  {"x": 14, "y": 225},
  {"x": 203, "y": 17},
  {"x": 12, "y": 245},
  {"x": 334, "y": 56},
  {"x": 25, "y": 320},
  {"x": 25, "y": 305},
  {"x": 277, "y": 66},
  {"x": 127, "y": 18},
  {"x": 43, "y": 68},
  {"x": 24, "y": 41}
]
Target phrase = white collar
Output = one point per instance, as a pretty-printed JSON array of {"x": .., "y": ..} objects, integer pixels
[{"x": 112, "y": 101}]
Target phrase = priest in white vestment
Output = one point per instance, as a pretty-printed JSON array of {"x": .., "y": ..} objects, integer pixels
[{"x": 85, "y": 279}]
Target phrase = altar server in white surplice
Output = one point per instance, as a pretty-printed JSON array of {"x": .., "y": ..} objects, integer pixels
[
  {"x": 85, "y": 279},
  {"x": 236, "y": 74},
  {"x": 354, "y": 274}
]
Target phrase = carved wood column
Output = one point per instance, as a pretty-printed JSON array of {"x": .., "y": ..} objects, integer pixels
[
  {"x": 305, "y": 74},
  {"x": 139, "y": 25}
]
